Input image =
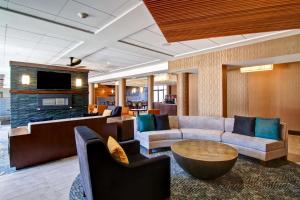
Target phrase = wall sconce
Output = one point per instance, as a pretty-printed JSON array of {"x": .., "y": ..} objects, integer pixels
[
  {"x": 78, "y": 82},
  {"x": 141, "y": 89},
  {"x": 96, "y": 85},
  {"x": 256, "y": 68},
  {"x": 25, "y": 79},
  {"x": 112, "y": 91}
]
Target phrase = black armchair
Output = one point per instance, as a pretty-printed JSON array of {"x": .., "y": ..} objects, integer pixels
[{"x": 104, "y": 178}]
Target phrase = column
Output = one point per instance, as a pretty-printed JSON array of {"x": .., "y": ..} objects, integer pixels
[
  {"x": 91, "y": 93},
  {"x": 116, "y": 94},
  {"x": 122, "y": 92},
  {"x": 182, "y": 94},
  {"x": 150, "y": 84}
]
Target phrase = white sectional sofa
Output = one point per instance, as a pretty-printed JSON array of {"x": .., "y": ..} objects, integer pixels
[{"x": 214, "y": 129}]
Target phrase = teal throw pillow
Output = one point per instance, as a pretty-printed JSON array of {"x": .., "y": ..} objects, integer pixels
[
  {"x": 267, "y": 128},
  {"x": 145, "y": 123}
]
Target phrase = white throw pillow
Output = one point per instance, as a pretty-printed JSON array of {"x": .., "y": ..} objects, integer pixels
[{"x": 106, "y": 113}]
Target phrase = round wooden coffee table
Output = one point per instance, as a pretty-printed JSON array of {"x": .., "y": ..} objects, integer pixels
[{"x": 204, "y": 159}]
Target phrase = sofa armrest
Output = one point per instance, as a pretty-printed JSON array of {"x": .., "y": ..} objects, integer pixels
[
  {"x": 131, "y": 147},
  {"x": 284, "y": 134}
]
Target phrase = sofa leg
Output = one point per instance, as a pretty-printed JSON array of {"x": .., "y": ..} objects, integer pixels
[
  {"x": 149, "y": 151},
  {"x": 264, "y": 163},
  {"x": 284, "y": 158}
]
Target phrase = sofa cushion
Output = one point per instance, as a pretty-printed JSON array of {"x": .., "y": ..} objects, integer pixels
[
  {"x": 145, "y": 123},
  {"x": 244, "y": 125},
  {"x": 201, "y": 134},
  {"x": 257, "y": 143},
  {"x": 150, "y": 136},
  {"x": 161, "y": 122},
  {"x": 199, "y": 122},
  {"x": 229, "y": 122},
  {"x": 267, "y": 128}
]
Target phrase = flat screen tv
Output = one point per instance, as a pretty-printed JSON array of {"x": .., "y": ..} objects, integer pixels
[{"x": 53, "y": 80}]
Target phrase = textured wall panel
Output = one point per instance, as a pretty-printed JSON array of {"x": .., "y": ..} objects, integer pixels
[
  {"x": 237, "y": 95},
  {"x": 210, "y": 68}
]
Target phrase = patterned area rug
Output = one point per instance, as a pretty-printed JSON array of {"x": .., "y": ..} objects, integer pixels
[
  {"x": 247, "y": 180},
  {"x": 4, "y": 156}
]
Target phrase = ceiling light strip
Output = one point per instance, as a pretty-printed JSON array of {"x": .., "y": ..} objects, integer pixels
[
  {"x": 232, "y": 43},
  {"x": 119, "y": 17},
  {"x": 256, "y": 68},
  {"x": 66, "y": 52}
]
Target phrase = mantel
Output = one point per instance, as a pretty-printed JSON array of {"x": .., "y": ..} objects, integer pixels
[{"x": 46, "y": 92}]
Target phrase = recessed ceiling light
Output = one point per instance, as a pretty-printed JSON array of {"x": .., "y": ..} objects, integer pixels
[{"x": 82, "y": 15}]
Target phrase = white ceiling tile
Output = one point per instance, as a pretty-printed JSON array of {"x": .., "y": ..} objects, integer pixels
[
  {"x": 154, "y": 28},
  {"x": 51, "y": 41},
  {"x": 3, "y": 3},
  {"x": 124, "y": 7},
  {"x": 108, "y": 6},
  {"x": 96, "y": 18},
  {"x": 46, "y": 6},
  {"x": 75, "y": 24},
  {"x": 12, "y": 50},
  {"x": 228, "y": 39},
  {"x": 31, "y": 11},
  {"x": 49, "y": 48},
  {"x": 157, "y": 42},
  {"x": 24, "y": 35},
  {"x": 19, "y": 42},
  {"x": 200, "y": 44}
]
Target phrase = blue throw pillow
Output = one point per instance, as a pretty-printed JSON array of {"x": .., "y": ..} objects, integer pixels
[
  {"x": 145, "y": 123},
  {"x": 267, "y": 128}
]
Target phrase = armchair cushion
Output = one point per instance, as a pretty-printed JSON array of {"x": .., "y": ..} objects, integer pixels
[{"x": 116, "y": 151}]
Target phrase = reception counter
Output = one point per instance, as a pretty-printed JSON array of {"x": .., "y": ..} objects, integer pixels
[{"x": 170, "y": 109}]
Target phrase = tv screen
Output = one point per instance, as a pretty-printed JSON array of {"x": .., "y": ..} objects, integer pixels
[{"x": 53, "y": 80}]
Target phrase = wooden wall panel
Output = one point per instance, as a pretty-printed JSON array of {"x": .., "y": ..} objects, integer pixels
[
  {"x": 181, "y": 20},
  {"x": 266, "y": 94},
  {"x": 183, "y": 94},
  {"x": 193, "y": 94},
  {"x": 210, "y": 68}
]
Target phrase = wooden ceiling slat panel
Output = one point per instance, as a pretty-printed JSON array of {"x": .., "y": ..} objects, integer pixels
[{"x": 181, "y": 20}]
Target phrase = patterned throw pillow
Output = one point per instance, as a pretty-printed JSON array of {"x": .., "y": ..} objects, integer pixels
[{"x": 116, "y": 151}]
